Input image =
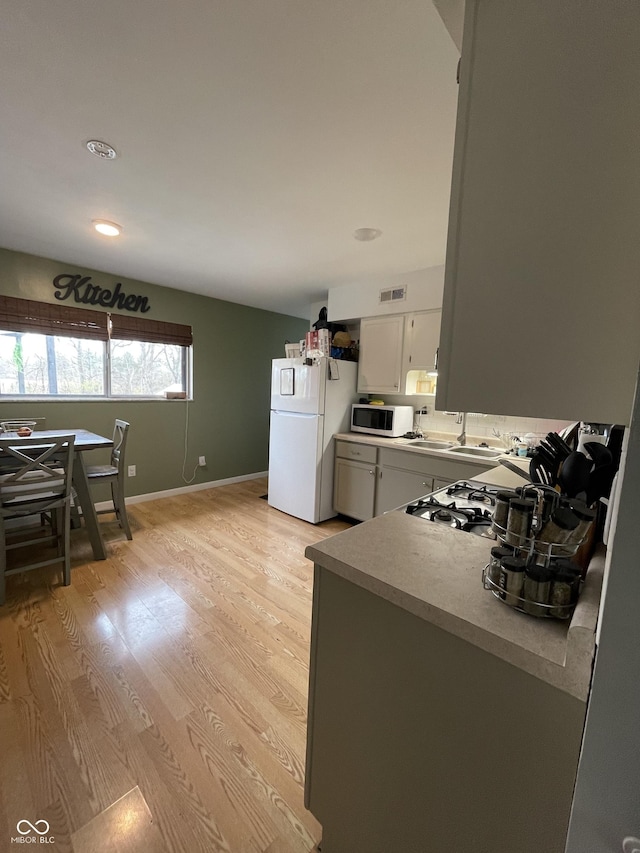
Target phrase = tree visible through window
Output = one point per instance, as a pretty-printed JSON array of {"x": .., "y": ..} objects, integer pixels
[
  {"x": 48, "y": 350},
  {"x": 139, "y": 368},
  {"x": 45, "y": 364}
]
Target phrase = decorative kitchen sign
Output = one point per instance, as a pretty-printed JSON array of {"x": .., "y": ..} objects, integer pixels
[{"x": 86, "y": 292}]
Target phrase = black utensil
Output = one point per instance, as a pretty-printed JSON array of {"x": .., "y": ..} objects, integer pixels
[
  {"x": 516, "y": 470},
  {"x": 549, "y": 460},
  {"x": 600, "y": 454},
  {"x": 575, "y": 473},
  {"x": 540, "y": 472},
  {"x": 558, "y": 444},
  {"x": 600, "y": 482}
]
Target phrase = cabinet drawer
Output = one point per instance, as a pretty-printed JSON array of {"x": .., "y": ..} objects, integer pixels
[{"x": 359, "y": 452}]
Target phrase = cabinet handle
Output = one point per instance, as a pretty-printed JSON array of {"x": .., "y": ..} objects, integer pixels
[
  {"x": 424, "y": 484},
  {"x": 356, "y": 453},
  {"x": 373, "y": 473}
]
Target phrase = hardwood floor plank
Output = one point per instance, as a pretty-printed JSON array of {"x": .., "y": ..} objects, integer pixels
[
  {"x": 125, "y": 827},
  {"x": 167, "y": 683}
]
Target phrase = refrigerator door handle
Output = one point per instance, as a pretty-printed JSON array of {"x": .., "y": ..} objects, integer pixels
[{"x": 294, "y": 414}]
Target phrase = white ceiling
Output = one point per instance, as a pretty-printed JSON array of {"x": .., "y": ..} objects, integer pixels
[{"x": 254, "y": 137}]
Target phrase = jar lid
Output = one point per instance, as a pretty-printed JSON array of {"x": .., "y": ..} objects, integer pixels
[
  {"x": 538, "y": 573},
  {"x": 523, "y": 504},
  {"x": 565, "y": 519},
  {"x": 506, "y": 496},
  {"x": 564, "y": 575},
  {"x": 563, "y": 564},
  {"x": 581, "y": 509},
  {"x": 513, "y": 564},
  {"x": 500, "y": 551}
]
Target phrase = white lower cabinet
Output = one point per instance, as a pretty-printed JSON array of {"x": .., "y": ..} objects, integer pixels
[
  {"x": 354, "y": 489},
  {"x": 439, "y": 483},
  {"x": 369, "y": 481},
  {"x": 397, "y": 487},
  {"x": 354, "y": 480}
]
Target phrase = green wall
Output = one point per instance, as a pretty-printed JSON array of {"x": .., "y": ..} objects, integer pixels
[{"x": 229, "y": 415}]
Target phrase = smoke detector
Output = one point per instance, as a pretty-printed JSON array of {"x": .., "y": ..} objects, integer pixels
[{"x": 102, "y": 149}]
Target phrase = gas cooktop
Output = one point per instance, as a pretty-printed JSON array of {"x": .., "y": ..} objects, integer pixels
[{"x": 463, "y": 506}]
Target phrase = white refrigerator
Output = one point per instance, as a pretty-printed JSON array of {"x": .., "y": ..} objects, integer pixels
[{"x": 309, "y": 403}]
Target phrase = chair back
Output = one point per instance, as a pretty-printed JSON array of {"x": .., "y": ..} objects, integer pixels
[
  {"x": 35, "y": 473},
  {"x": 120, "y": 432}
]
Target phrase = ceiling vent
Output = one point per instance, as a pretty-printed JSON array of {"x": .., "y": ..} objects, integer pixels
[{"x": 393, "y": 294}]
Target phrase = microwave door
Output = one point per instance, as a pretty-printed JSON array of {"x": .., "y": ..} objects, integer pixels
[{"x": 297, "y": 387}]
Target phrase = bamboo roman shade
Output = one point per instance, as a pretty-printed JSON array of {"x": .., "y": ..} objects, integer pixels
[
  {"x": 26, "y": 315},
  {"x": 125, "y": 328}
]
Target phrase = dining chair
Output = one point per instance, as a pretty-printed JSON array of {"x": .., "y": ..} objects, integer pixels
[
  {"x": 114, "y": 474},
  {"x": 36, "y": 479}
]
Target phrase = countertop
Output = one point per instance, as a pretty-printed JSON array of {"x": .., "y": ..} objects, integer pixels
[
  {"x": 435, "y": 573},
  {"x": 407, "y": 445}
]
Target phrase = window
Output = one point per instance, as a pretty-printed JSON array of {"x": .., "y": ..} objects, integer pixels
[{"x": 57, "y": 351}]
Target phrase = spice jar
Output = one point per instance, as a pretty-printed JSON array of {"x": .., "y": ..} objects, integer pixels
[
  {"x": 537, "y": 582},
  {"x": 558, "y": 529},
  {"x": 512, "y": 580},
  {"x": 585, "y": 517},
  {"x": 563, "y": 592},
  {"x": 519, "y": 521},
  {"x": 497, "y": 553},
  {"x": 564, "y": 564},
  {"x": 501, "y": 511}
]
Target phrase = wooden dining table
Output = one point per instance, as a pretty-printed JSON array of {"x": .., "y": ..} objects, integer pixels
[{"x": 84, "y": 440}]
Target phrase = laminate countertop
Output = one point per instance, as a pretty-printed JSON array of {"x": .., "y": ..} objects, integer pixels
[
  {"x": 435, "y": 573},
  {"x": 410, "y": 446}
]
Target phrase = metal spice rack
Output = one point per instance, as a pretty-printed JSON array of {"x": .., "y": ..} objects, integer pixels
[{"x": 542, "y": 553}]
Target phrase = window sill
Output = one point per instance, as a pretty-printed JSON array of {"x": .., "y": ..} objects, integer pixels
[{"x": 60, "y": 399}]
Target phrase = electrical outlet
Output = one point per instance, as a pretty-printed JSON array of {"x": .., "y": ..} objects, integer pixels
[
  {"x": 202, "y": 461},
  {"x": 132, "y": 470}
]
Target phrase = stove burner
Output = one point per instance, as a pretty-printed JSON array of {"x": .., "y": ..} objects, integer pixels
[
  {"x": 473, "y": 492},
  {"x": 471, "y": 511}
]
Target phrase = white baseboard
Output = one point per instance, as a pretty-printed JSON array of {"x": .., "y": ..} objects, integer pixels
[{"x": 181, "y": 490}]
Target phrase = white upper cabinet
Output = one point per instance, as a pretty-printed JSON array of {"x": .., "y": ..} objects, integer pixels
[
  {"x": 380, "y": 363},
  {"x": 421, "y": 340},
  {"x": 541, "y": 310},
  {"x": 392, "y": 346}
]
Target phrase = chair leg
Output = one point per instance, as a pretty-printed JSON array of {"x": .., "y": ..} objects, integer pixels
[
  {"x": 3, "y": 562},
  {"x": 117, "y": 493},
  {"x": 58, "y": 515},
  {"x": 67, "y": 545},
  {"x": 75, "y": 516}
]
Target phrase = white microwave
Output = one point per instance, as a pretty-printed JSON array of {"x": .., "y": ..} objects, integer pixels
[{"x": 390, "y": 421}]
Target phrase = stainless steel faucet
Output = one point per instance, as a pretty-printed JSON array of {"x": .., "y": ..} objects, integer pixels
[{"x": 462, "y": 419}]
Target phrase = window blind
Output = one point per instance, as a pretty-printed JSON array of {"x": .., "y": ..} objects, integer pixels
[
  {"x": 26, "y": 315},
  {"x": 124, "y": 328}
]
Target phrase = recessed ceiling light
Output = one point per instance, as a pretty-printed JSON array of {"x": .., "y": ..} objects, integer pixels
[
  {"x": 102, "y": 149},
  {"x": 109, "y": 229},
  {"x": 365, "y": 235}
]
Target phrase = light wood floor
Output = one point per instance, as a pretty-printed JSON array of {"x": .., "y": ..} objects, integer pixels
[{"x": 159, "y": 702}]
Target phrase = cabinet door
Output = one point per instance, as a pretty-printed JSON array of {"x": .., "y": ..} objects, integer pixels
[
  {"x": 422, "y": 338},
  {"x": 440, "y": 483},
  {"x": 541, "y": 305},
  {"x": 397, "y": 487},
  {"x": 354, "y": 487},
  {"x": 380, "y": 354}
]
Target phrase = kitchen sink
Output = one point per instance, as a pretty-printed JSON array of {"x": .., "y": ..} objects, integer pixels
[
  {"x": 432, "y": 445},
  {"x": 487, "y": 452}
]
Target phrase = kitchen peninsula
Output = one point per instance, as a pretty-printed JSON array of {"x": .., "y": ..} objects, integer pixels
[{"x": 451, "y": 721}]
